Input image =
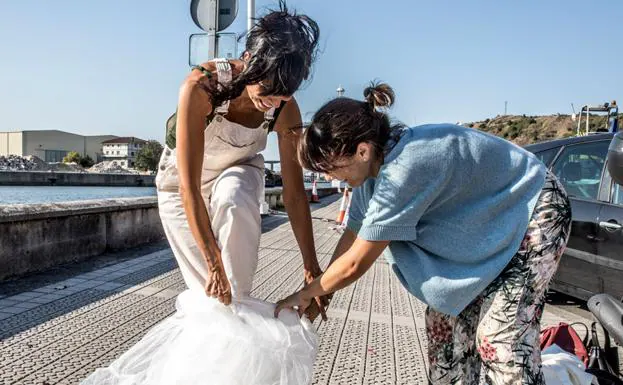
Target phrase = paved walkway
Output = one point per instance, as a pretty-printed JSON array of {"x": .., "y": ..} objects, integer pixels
[{"x": 58, "y": 326}]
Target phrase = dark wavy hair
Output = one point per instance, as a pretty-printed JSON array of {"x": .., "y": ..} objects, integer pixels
[
  {"x": 282, "y": 46},
  {"x": 340, "y": 125}
]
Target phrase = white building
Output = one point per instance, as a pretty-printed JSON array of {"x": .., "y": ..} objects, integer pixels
[
  {"x": 51, "y": 145},
  {"x": 122, "y": 151}
]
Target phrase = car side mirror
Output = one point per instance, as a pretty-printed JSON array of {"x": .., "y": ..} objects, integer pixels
[{"x": 615, "y": 158}]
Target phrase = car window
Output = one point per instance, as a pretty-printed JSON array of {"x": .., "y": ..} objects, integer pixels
[
  {"x": 579, "y": 168},
  {"x": 546, "y": 156}
]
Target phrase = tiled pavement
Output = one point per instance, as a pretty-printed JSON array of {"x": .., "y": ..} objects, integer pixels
[{"x": 58, "y": 326}]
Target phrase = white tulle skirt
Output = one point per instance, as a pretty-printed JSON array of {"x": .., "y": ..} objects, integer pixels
[{"x": 205, "y": 342}]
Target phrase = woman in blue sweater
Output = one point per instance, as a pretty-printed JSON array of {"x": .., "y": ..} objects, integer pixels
[{"x": 472, "y": 225}]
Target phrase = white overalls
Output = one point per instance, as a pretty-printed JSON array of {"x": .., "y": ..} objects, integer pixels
[{"x": 232, "y": 184}]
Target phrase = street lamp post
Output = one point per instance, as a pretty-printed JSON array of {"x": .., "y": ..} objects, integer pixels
[
  {"x": 340, "y": 91},
  {"x": 250, "y": 14}
]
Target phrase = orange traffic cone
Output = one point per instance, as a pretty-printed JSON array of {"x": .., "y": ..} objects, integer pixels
[
  {"x": 343, "y": 207},
  {"x": 345, "y": 221},
  {"x": 314, "y": 195}
]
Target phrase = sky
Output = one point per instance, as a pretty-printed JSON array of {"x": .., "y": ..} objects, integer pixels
[{"x": 115, "y": 66}]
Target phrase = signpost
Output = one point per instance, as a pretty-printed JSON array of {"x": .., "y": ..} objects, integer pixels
[
  {"x": 212, "y": 16},
  {"x": 199, "y": 43}
]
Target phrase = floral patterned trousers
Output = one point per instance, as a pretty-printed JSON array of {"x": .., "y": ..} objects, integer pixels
[{"x": 499, "y": 330}]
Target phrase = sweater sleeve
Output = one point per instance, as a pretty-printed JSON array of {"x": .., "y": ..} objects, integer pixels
[
  {"x": 403, "y": 191},
  {"x": 359, "y": 205}
]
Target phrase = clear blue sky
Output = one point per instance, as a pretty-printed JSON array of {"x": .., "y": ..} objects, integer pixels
[{"x": 114, "y": 66}]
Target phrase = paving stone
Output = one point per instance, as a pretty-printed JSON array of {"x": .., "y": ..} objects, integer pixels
[
  {"x": 29, "y": 318},
  {"x": 69, "y": 362},
  {"x": 42, "y": 300},
  {"x": 45, "y": 290},
  {"x": 24, "y": 296},
  {"x": 147, "y": 273},
  {"x": 13, "y": 309},
  {"x": 65, "y": 323},
  {"x": 7, "y": 302},
  {"x": 55, "y": 296},
  {"x": 27, "y": 305},
  {"x": 330, "y": 335},
  {"x": 110, "y": 286}
]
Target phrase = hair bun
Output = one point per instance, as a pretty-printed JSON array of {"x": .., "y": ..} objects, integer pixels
[{"x": 379, "y": 95}]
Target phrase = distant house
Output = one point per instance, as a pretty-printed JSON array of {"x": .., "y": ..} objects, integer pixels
[
  {"x": 51, "y": 145},
  {"x": 122, "y": 151}
]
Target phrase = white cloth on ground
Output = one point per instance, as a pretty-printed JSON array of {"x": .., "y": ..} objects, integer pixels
[
  {"x": 563, "y": 368},
  {"x": 205, "y": 342}
]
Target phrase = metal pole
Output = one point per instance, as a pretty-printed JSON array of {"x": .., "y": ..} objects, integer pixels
[
  {"x": 212, "y": 32},
  {"x": 250, "y": 14},
  {"x": 579, "y": 127}
]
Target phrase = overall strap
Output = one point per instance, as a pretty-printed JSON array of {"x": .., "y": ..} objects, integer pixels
[
  {"x": 205, "y": 71},
  {"x": 271, "y": 115}
]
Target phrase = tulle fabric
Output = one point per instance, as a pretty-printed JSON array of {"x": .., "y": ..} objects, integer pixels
[{"x": 205, "y": 342}]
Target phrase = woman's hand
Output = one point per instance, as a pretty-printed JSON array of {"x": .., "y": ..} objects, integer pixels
[
  {"x": 297, "y": 302},
  {"x": 217, "y": 284},
  {"x": 320, "y": 303},
  {"x": 344, "y": 270}
]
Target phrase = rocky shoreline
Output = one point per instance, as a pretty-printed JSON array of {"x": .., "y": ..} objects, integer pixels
[{"x": 13, "y": 163}]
